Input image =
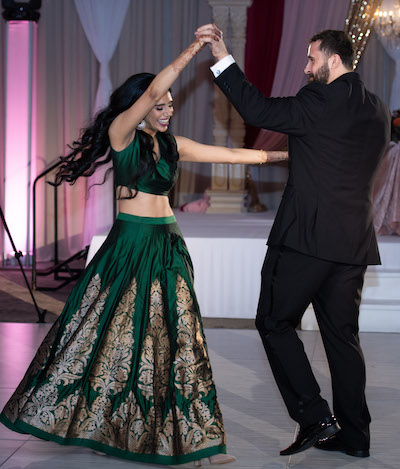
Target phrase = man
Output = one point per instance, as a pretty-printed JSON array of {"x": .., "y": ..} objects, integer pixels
[{"x": 323, "y": 237}]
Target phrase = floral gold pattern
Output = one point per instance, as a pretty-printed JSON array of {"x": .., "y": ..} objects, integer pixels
[
  {"x": 144, "y": 390},
  {"x": 155, "y": 361}
]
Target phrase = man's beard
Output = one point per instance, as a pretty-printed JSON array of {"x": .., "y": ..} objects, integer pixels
[{"x": 322, "y": 75}]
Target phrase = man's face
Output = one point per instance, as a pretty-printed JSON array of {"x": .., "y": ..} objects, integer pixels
[{"x": 317, "y": 68}]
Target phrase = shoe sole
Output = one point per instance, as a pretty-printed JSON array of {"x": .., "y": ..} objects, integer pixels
[
  {"x": 361, "y": 453},
  {"x": 327, "y": 433},
  {"x": 356, "y": 453}
]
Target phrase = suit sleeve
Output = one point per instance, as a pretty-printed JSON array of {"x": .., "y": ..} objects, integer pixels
[{"x": 292, "y": 115}]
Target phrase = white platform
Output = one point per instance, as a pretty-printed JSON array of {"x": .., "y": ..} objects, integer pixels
[{"x": 228, "y": 251}]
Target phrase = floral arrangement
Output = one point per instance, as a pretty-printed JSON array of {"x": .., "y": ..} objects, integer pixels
[{"x": 395, "y": 131}]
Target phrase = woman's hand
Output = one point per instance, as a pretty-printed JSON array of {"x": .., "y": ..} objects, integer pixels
[{"x": 211, "y": 34}]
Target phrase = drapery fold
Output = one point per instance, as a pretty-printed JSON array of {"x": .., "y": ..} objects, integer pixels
[
  {"x": 102, "y": 22},
  {"x": 263, "y": 33}
]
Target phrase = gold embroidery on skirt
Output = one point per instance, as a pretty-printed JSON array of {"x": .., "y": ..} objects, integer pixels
[
  {"x": 110, "y": 372},
  {"x": 155, "y": 363},
  {"x": 38, "y": 406},
  {"x": 88, "y": 300},
  {"x": 113, "y": 363},
  {"x": 149, "y": 421},
  {"x": 193, "y": 375}
]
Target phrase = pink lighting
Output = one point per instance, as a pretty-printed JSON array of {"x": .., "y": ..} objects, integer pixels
[{"x": 19, "y": 131}]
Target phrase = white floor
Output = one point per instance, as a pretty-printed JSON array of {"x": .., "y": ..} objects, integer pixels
[{"x": 255, "y": 419}]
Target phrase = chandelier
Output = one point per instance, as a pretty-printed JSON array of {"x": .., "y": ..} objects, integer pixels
[{"x": 387, "y": 22}]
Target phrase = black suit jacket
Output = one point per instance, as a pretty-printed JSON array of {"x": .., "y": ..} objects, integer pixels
[{"x": 337, "y": 135}]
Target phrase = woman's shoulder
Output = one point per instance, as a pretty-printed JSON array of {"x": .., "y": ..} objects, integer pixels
[{"x": 132, "y": 145}]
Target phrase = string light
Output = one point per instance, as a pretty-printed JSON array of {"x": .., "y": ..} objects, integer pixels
[{"x": 359, "y": 22}]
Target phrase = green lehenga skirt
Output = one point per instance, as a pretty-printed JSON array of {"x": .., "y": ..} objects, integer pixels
[{"x": 125, "y": 368}]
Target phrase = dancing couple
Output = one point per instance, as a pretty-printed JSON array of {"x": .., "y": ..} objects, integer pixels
[{"x": 125, "y": 370}]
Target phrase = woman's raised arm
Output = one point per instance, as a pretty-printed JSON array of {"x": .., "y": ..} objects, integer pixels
[{"x": 123, "y": 127}]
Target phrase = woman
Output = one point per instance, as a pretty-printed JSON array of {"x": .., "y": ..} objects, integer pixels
[{"x": 125, "y": 369}]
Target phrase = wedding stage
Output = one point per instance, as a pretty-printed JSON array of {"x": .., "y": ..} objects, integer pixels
[{"x": 228, "y": 251}]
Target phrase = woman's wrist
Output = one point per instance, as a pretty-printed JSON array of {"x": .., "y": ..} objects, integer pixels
[
  {"x": 185, "y": 57},
  {"x": 263, "y": 156}
]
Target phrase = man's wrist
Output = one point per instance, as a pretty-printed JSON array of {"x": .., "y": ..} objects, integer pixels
[{"x": 222, "y": 65}]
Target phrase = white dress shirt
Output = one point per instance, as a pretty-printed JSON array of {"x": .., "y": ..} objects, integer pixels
[{"x": 222, "y": 65}]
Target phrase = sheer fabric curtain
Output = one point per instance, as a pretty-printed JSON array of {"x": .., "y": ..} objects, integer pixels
[
  {"x": 102, "y": 22},
  {"x": 66, "y": 86},
  {"x": 264, "y": 27}
]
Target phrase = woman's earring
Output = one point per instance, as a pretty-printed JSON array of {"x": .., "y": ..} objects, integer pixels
[{"x": 142, "y": 125}]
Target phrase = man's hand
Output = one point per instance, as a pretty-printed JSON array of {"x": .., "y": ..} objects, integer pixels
[{"x": 211, "y": 34}]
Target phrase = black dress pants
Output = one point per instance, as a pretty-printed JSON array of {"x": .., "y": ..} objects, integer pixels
[{"x": 290, "y": 281}]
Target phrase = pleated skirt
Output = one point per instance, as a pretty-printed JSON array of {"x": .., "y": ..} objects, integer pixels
[{"x": 125, "y": 368}]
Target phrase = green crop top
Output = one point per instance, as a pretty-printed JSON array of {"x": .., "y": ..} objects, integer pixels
[{"x": 158, "y": 180}]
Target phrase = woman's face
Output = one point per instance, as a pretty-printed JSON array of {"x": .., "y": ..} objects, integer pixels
[{"x": 157, "y": 120}]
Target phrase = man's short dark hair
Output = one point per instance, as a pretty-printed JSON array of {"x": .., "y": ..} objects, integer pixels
[{"x": 336, "y": 42}]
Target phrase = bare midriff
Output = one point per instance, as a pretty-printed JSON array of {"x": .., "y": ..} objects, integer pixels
[{"x": 145, "y": 205}]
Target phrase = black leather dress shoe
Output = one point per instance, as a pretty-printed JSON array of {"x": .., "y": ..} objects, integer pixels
[
  {"x": 334, "y": 444},
  {"x": 307, "y": 437}
]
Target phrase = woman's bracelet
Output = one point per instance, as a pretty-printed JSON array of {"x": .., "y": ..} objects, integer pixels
[{"x": 262, "y": 157}]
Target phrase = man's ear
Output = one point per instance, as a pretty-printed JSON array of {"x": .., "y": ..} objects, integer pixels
[{"x": 335, "y": 60}]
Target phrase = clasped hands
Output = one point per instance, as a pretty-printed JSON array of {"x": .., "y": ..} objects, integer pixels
[{"x": 211, "y": 34}]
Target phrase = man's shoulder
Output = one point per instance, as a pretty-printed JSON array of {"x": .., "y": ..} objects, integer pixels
[
  {"x": 313, "y": 88},
  {"x": 347, "y": 83},
  {"x": 339, "y": 89},
  {"x": 313, "y": 94}
]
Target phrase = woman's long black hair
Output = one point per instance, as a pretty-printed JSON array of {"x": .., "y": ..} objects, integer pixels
[{"x": 94, "y": 142}]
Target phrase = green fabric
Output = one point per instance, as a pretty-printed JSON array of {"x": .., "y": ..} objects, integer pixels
[
  {"x": 125, "y": 368},
  {"x": 159, "y": 177},
  {"x": 146, "y": 220}
]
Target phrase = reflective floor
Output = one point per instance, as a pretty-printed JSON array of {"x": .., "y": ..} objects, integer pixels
[{"x": 256, "y": 422}]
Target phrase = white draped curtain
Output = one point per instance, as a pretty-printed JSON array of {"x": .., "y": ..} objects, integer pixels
[
  {"x": 102, "y": 22},
  {"x": 66, "y": 86}
]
